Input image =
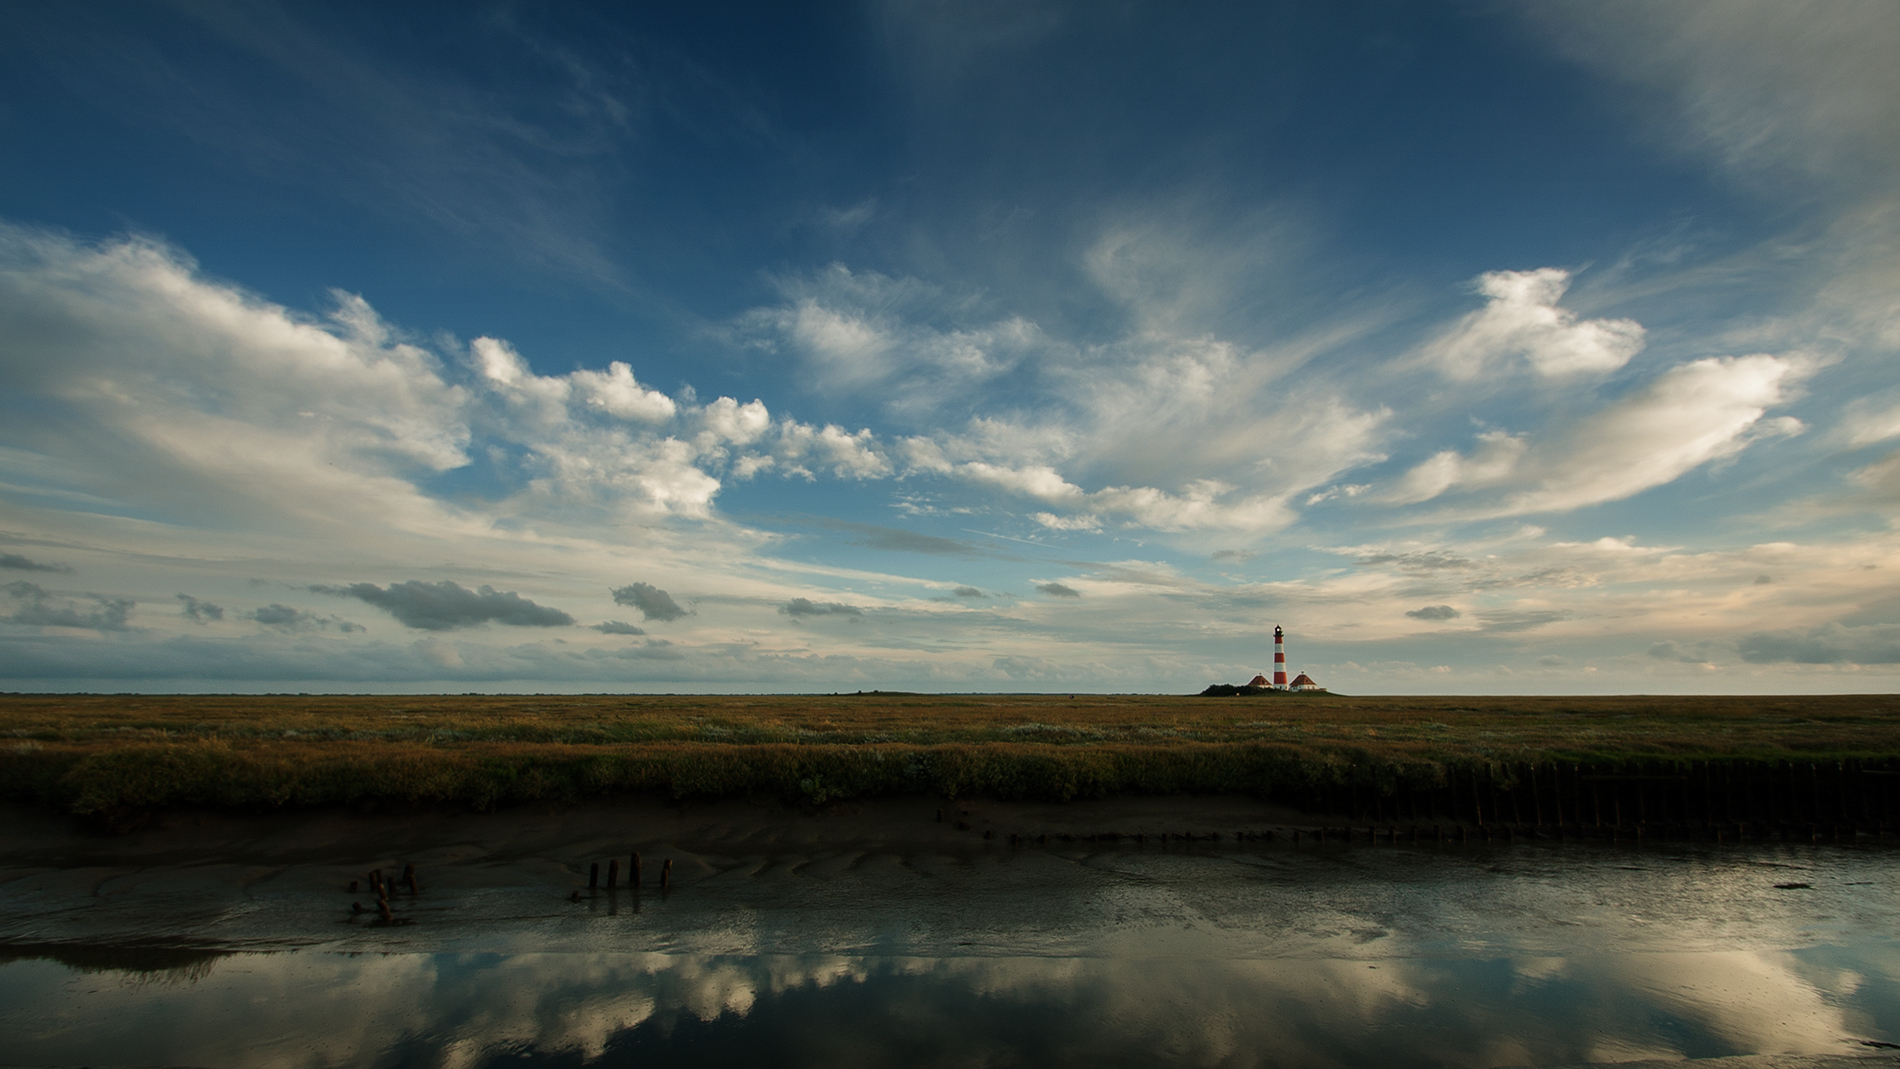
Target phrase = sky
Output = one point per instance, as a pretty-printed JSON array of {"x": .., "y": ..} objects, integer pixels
[{"x": 1487, "y": 347}]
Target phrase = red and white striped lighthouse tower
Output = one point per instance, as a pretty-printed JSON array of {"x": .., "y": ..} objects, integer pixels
[{"x": 1279, "y": 658}]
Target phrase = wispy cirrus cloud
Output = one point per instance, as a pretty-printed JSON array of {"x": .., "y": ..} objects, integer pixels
[{"x": 1692, "y": 414}]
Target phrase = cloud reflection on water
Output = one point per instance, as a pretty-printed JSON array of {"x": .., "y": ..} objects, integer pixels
[{"x": 457, "y": 1010}]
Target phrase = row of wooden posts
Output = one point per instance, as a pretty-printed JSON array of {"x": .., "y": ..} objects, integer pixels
[
  {"x": 1854, "y": 794},
  {"x": 384, "y": 888},
  {"x": 633, "y": 873}
]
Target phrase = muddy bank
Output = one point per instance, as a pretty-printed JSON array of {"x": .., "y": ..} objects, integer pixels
[{"x": 994, "y": 875}]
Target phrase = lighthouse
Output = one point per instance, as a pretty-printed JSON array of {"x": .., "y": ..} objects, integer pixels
[{"x": 1279, "y": 658}]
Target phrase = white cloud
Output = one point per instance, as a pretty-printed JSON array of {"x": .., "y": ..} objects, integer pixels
[
  {"x": 169, "y": 381},
  {"x": 864, "y": 331},
  {"x": 1491, "y": 463},
  {"x": 1522, "y": 319},
  {"x": 1804, "y": 86},
  {"x": 1692, "y": 414},
  {"x": 161, "y": 382},
  {"x": 1037, "y": 480},
  {"x": 848, "y": 349},
  {"x": 1865, "y": 427},
  {"x": 844, "y": 454},
  {"x": 726, "y": 420},
  {"x": 1066, "y": 523},
  {"x": 616, "y": 392}
]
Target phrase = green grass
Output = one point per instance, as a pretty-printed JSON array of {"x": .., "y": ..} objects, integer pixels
[{"x": 100, "y": 754}]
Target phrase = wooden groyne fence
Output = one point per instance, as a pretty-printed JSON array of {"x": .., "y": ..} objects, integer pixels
[{"x": 1827, "y": 800}]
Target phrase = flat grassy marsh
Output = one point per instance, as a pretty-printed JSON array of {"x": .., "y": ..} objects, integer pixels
[{"x": 96, "y": 753}]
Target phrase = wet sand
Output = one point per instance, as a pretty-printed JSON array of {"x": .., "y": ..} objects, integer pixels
[
  {"x": 1112, "y": 876},
  {"x": 215, "y": 878}
]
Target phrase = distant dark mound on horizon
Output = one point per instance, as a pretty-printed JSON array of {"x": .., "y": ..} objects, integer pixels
[{"x": 1247, "y": 690}]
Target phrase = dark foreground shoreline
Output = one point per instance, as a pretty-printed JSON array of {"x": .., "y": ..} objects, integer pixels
[{"x": 1122, "y": 927}]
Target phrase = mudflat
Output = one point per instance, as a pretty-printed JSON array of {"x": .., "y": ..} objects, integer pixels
[{"x": 216, "y": 877}]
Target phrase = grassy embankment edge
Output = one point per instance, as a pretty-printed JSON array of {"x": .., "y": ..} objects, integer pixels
[{"x": 214, "y": 774}]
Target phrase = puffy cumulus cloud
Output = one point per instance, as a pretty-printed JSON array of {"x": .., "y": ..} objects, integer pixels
[
  {"x": 1692, "y": 414},
  {"x": 807, "y": 607},
  {"x": 543, "y": 398},
  {"x": 162, "y": 386},
  {"x": 801, "y": 447},
  {"x": 615, "y": 392},
  {"x": 653, "y": 603},
  {"x": 1521, "y": 319},
  {"x": 36, "y": 606},
  {"x": 1830, "y": 643},
  {"x": 1058, "y": 590},
  {"x": 1434, "y": 613},
  {"x": 199, "y": 612},
  {"x": 156, "y": 385},
  {"x": 616, "y": 627},
  {"x": 16, "y": 562},
  {"x": 599, "y": 439},
  {"x": 442, "y": 606},
  {"x": 726, "y": 422}
]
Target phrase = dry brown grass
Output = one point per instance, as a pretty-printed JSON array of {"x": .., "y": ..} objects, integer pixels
[
  {"x": 1511, "y": 728},
  {"x": 94, "y": 753}
]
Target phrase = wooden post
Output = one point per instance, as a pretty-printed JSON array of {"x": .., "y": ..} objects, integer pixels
[
  {"x": 1837, "y": 810},
  {"x": 1814, "y": 793},
  {"x": 593, "y": 875},
  {"x": 633, "y": 869},
  {"x": 1643, "y": 787},
  {"x": 613, "y": 874},
  {"x": 666, "y": 873}
]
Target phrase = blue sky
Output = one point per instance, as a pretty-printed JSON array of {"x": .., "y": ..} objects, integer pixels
[{"x": 1488, "y": 348}]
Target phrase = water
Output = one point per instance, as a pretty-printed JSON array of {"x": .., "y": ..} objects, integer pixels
[{"x": 1336, "y": 956}]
